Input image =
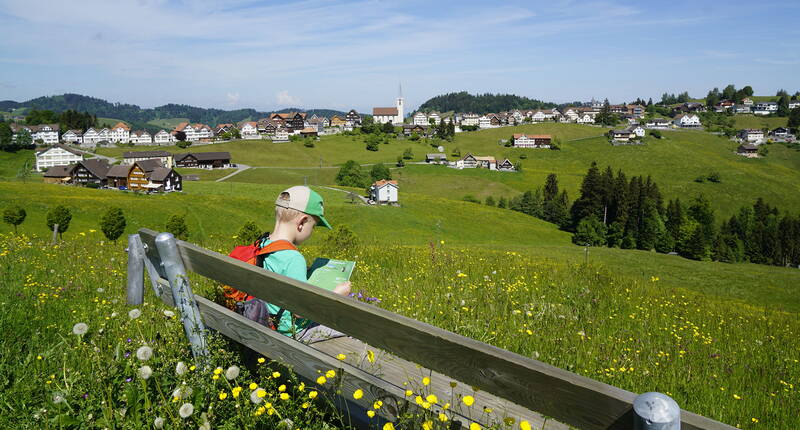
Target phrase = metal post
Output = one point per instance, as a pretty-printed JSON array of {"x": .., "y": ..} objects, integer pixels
[
  {"x": 55, "y": 234},
  {"x": 135, "y": 270},
  {"x": 182, "y": 293},
  {"x": 656, "y": 411}
]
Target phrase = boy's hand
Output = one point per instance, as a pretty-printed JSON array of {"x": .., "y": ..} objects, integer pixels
[{"x": 343, "y": 289}]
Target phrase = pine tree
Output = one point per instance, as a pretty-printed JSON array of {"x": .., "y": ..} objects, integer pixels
[
  {"x": 590, "y": 231},
  {"x": 701, "y": 211},
  {"x": 489, "y": 201},
  {"x": 590, "y": 200},
  {"x": 177, "y": 226},
  {"x": 550, "y": 187},
  {"x": 502, "y": 203},
  {"x": 675, "y": 218}
]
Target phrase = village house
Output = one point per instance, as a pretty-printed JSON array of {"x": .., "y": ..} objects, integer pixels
[
  {"x": 90, "y": 138},
  {"x": 585, "y": 118},
  {"x": 280, "y": 135},
  {"x": 309, "y": 132},
  {"x": 163, "y": 138},
  {"x": 353, "y": 119},
  {"x": 164, "y": 157},
  {"x": 624, "y": 136},
  {"x": 145, "y": 175},
  {"x": 59, "y": 174},
  {"x": 739, "y": 109},
  {"x": 687, "y": 121},
  {"x": 223, "y": 128},
  {"x": 337, "y": 121},
  {"x": 638, "y": 130},
  {"x": 724, "y": 106},
  {"x": 204, "y": 160},
  {"x": 57, "y": 155},
  {"x": 470, "y": 119},
  {"x": 794, "y": 104},
  {"x": 782, "y": 133},
  {"x": 436, "y": 158},
  {"x": 539, "y": 116},
  {"x": 72, "y": 136},
  {"x": 268, "y": 126},
  {"x": 384, "y": 192},
  {"x": 421, "y": 130},
  {"x": 689, "y": 107},
  {"x": 195, "y": 132},
  {"x": 657, "y": 124},
  {"x": 249, "y": 130},
  {"x": 141, "y": 137},
  {"x": 295, "y": 121},
  {"x": 570, "y": 115},
  {"x": 747, "y": 101},
  {"x": 751, "y": 135},
  {"x": 486, "y": 162},
  {"x": 521, "y": 140},
  {"x": 316, "y": 124},
  {"x": 419, "y": 118},
  {"x": 506, "y": 166},
  {"x": 748, "y": 150},
  {"x": 765, "y": 108},
  {"x": 44, "y": 133},
  {"x": 120, "y": 133},
  {"x": 468, "y": 162},
  {"x": 90, "y": 171}
]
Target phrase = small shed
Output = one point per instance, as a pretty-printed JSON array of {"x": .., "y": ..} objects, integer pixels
[{"x": 436, "y": 158}]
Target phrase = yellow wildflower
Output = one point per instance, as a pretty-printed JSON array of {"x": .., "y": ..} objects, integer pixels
[
  {"x": 388, "y": 426},
  {"x": 409, "y": 393},
  {"x": 341, "y": 357},
  {"x": 305, "y": 405},
  {"x": 282, "y": 388},
  {"x": 284, "y": 396},
  {"x": 312, "y": 395},
  {"x": 370, "y": 414},
  {"x": 235, "y": 391},
  {"x": 276, "y": 374},
  {"x": 427, "y": 425},
  {"x": 253, "y": 385},
  {"x": 330, "y": 373},
  {"x": 474, "y": 426},
  {"x": 468, "y": 400},
  {"x": 322, "y": 380},
  {"x": 426, "y": 381},
  {"x": 223, "y": 395},
  {"x": 261, "y": 360},
  {"x": 432, "y": 398},
  {"x": 442, "y": 417},
  {"x": 357, "y": 394},
  {"x": 261, "y": 393},
  {"x": 524, "y": 425}
]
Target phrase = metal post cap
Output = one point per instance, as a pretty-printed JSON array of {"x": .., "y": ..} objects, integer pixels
[{"x": 656, "y": 407}]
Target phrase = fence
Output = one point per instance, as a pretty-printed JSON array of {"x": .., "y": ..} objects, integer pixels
[{"x": 521, "y": 387}]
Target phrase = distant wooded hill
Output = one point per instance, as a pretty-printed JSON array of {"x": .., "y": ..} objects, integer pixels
[
  {"x": 481, "y": 103},
  {"x": 136, "y": 114}
]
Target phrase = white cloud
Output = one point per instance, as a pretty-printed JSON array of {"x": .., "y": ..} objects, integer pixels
[
  {"x": 232, "y": 99},
  {"x": 283, "y": 98}
]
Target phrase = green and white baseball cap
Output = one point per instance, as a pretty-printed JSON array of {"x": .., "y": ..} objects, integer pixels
[{"x": 305, "y": 200}]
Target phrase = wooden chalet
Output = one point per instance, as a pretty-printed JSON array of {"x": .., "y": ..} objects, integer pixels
[
  {"x": 207, "y": 160},
  {"x": 506, "y": 165},
  {"x": 436, "y": 158},
  {"x": 409, "y": 129},
  {"x": 145, "y": 175},
  {"x": 293, "y": 120},
  {"x": 337, "y": 121},
  {"x": 309, "y": 132},
  {"x": 91, "y": 171},
  {"x": 59, "y": 174},
  {"x": 748, "y": 150},
  {"x": 353, "y": 118}
]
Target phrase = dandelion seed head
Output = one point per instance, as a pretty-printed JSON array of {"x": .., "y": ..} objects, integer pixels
[
  {"x": 145, "y": 372},
  {"x": 80, "y": 329},
  {"x": 181, "y": 369},
  {"x": 158, "y": 423},
  {"x": 168, "y": 313},
  {"x": 186, "y": 410},
  {"x": 232, "y": 373},
  {"x": 144, "y": 353},
  {"x": 134, "y": 313}
]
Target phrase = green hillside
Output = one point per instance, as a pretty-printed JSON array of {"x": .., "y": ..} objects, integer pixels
[
  {"x": 167, "y": 123},
  {"x": 754, "y": 121}
]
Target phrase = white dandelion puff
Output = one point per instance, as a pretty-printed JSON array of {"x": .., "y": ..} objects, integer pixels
[
  {"x": 180, "y": 368},
  {"x": 168, "y": 313},
  {"x": 232, "y": 373},
  {"x": 144, "y": 353},
  {"x": 205, "y": 426},
  {"x": 145, "y": 372},
  {"x": 114, "y": 314},
  {"x": 158, "y": 423},
  {"x": 80, "y": 329},
  {"x": 254, "y": 396},
  {"x": 134, "y": 313},
  {"x": 101, "y": 290},
  {"x": 58, "y": 398},
  {"x": 182, "y": 392},
  {"x": 186, "y": 410}
]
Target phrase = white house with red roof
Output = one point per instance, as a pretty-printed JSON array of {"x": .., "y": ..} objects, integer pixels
[
  {"x": 522, "y": 140},
  {"x": 249, "y": 130},
  {"x": 393, "y": 115},
  {"x": 383, "y": 192},
  {"x": 120, "y": 133}
]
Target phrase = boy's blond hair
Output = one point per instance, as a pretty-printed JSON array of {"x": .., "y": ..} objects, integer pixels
[{"x": 283, "y": 214}]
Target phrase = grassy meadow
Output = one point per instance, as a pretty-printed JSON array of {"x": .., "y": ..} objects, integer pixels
[
  {"x": 167, "y": 123},
  {"x": 759, "y": 122}
]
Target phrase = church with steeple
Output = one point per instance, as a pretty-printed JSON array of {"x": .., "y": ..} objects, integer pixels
[{"x": 394, "y": 115}]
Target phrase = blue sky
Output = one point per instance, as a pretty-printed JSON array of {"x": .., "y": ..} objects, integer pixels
[{"x": 353, "y": 54}]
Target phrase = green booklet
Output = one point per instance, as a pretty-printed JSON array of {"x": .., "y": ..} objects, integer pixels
[{"x": 327, "y": 273}]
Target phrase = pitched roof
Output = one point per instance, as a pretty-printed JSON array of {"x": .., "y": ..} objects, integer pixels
[
  {"x": 748, "y": 146},
  {"x": 383, "y": 182},
  {"x": 145, "y": 154},
  {"x": 96, "y": 166},
  {"x": 121, "y": 125},
  {"x": 208, "y": 156},
  {"x": 384, "y": 111},
  {"x": 119, "y": 171},
  {"x": 436, "y": 155},
  {"x": 486, "y": 158},
  {"x": 160, "y": 174},
  {"x": 149, "y": 165},
  {"x": 65, "y": 148},
  {"x": 59, "y": 171},
  {"x": 181, "y": 126}
]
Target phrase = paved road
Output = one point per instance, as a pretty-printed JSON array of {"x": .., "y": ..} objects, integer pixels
[
  {"x": 363, "y": 199},
  {"x": 239, "y": 169},
  {"x": 111, "y": 160}
]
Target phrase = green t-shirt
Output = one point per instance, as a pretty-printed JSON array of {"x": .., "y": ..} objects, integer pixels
[{"x": 292, "y": 264}]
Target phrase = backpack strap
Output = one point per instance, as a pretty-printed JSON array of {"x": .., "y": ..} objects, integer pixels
[{"x": 278, "y": 245}]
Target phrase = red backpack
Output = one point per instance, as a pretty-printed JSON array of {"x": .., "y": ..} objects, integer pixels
[{"x": 242, "y": 302}]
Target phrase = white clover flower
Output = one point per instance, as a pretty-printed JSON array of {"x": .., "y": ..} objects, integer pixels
[
  {"x": 158, "y": 423},
  {"x": 186, "y": 410},
  {"x": 182, "y": 392},
  {"x": 134, "y": 313},
  {"x": 254, "y": 396},
  {"x": 180, "y": 368},
  {"x": 168, "y": 313},
  {"x": 232, "y": 373},
  {"x": 145, "y": 372},
  {"x": 80, "y": 329},
  {"x": 58, "y": 398},
  {"x": 144, "y": 353},
  {"x": 101, "y": 290}
]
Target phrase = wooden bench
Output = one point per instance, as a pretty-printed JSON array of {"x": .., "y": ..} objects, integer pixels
[{"x": 510, "y": 385}]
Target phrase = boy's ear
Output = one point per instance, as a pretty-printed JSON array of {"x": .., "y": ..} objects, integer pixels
[{"x": 302, "y": 221}]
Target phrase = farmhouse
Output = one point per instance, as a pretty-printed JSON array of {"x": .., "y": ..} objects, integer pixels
[
  {"x": 164, "y": 157},
  {"x": 90, "y": 138},
  {"x": 420, "y": 118},
  {"x": 383, "y": 192},
  {"x": 46, "y": 133},
  {"x": 486, "y": 162},
  {"x": 57, "y": 155},
  {"x": 622, "y": 135},
  {"x": 436, "y": 158},
  {"x": 337, "y": 121},
  {"x": 72, "y": 136},
  {"x": 352, "y": 119},
  {"x": 751, "y": 135},
  {"x": 522, "y": 140},
  {"x": 280, "y": 135},
  {"x": 268, "y": 126},
  {"x": 765, "y": 108},
  {"x": 309, "y": 132},
  {"x": 91, "y": 171},
  {"x": 194, "y": 132},
  {"x": 585, "y": 118},
  {"x": 687, "y": 121},
  {"x": 292, "y": 120},
  {"x": 740, "y": 108},
  {"x": 468, "y": 162},
  {"x": 146, "y": 175},
  {"x": 748, "y": 150},
  {"x": 793, "y": 104},
  {"x": 205, "y": 160},
  {"x": 223, "y": 128},
  {"x": 470, "y": 119},
  {"x": 409, "y": 129},
  {"x": 782, "y": 133},
  {"x": 657, "y": 123},
  {"x": 59, "y": 174},
  {"x": 638, "y": 130},
  {"x": 506, "y": 166}
]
